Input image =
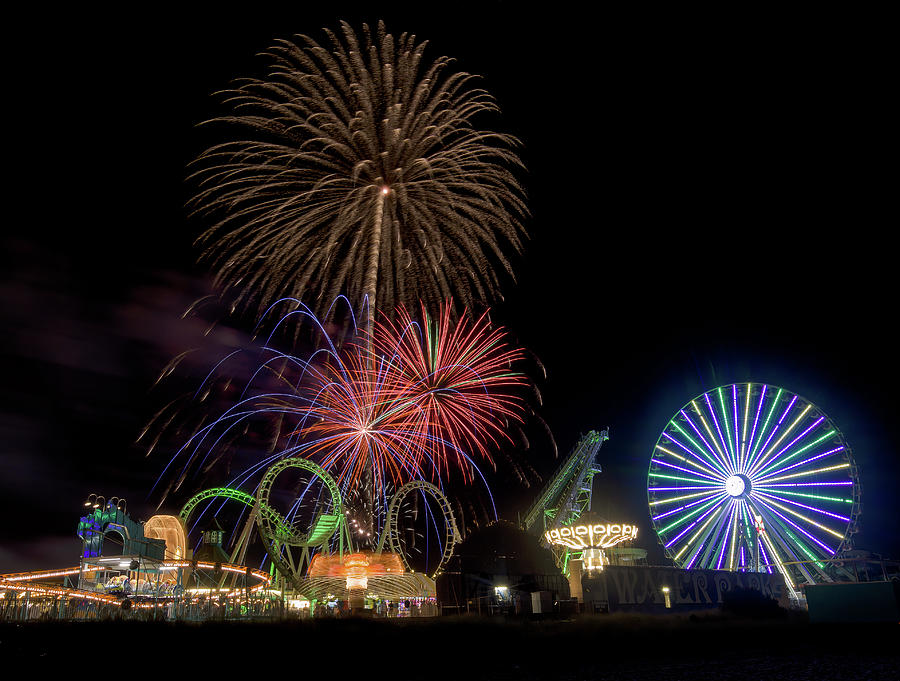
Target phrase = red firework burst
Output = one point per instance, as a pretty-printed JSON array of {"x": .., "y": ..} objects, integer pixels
[
  {"x": 458, "y": 380},
  {"x": 357, "y": 416},
  {"x": 415, "y": 399}
]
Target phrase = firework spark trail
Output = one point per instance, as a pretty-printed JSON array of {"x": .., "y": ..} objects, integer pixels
[
  {"x": 411, "y": 404},
  {"x": 360, "y": 171},
  {"x": 356, "y": 418},
  {"x": 427, "y": 396},
  {"x": 459, "y": 377}
]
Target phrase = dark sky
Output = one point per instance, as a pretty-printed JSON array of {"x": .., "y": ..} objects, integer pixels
[{"x": 710, "y": 205}]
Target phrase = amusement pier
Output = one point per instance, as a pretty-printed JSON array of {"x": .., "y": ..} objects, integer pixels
[{"x": 752, "y": 492}]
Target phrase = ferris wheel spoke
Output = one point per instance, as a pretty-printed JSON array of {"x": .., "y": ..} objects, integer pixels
[
  {"x": 777, "y": 426},
  {"x": 724, "y": 449},
  {"x": 756, "y": 441},
  {"x": 788, "y": 542},
  {"x": 729, "y": 530},
  {"x": 701, "y": 535},
  {"x": 660, "y": 502},
  {"x": 770, "y": 471},
  {"x": 766, "y": 561},
  {"x": 705, "y": 481},
  {"x": 720, "y": 538},
  {"x": 679, "y": 509},
  {"x": 782, "y": 455},
  {"x": 692, "y": 452},
  {"x": 803, "y": 555},
  {"x": 829, "y": 484},
  {"x": 726, "y": 439},
  {"x": 708, "y": 474},
  {"x": 803, "y": 474},
  {"x": 804, "y": 495},
  {"x": 769, "y": 450},
  {"x": 737, "y": 442},
  {"x": 772, "y": 505},
  {"x": 759, "y": 405},
  {"x": 769, "y": 495},
  {"x": 777, "y": 560},
  {"x": 703, "y": 503},
  {"x": 705, "y": 509},
  {"x": 708, "y": 451},
  {"x": 746, "y": 423},
  {"x": 710, "y": 540},
  {"x": 716, "y": 480},
  {"x": 714, "y": 448},
  {"x": 734, "y": 535},
  {"x": 813, "y": 553},
  {"x": 675, "y": 539},
  {"x": 763, "y": 521}
]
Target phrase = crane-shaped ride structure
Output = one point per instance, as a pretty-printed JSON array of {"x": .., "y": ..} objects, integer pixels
[{"x": 567, "y": 494}]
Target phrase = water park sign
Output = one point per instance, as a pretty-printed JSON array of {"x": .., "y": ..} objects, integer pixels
[{"x": 601, "y": 535}]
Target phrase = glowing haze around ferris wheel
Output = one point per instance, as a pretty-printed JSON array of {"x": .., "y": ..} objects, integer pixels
[{"x": 750, "y": 476}]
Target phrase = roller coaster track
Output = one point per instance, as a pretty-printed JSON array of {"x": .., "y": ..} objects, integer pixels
[
  {"x": 282, "y": 528},
  {"x": 391, "y": 532},
  {"x": 279, "y": 543},
  {"x": 277, "y": 533}
]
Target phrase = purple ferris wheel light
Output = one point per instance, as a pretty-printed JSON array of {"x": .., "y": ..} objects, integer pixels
[{"x": 745, "y": 451}]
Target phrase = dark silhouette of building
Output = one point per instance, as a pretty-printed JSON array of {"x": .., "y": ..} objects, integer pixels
[
  {"x": 211, "y": 550},
  {"x": 497, "y": 569}
]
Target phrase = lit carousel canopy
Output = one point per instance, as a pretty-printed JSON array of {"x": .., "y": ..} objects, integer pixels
[{"x": 379, "y": 575}]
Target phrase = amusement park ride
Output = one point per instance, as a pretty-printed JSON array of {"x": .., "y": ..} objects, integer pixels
[
  {"x": 581, "y": 543},
  {"x": 321, "y": 561},
  {"x": 744, "y": 478},
  {"x": 751, "y": 477},
  {"x": 149, "y": 565}
]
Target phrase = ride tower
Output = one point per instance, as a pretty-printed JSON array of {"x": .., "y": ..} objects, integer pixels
[{"x": 566, "y": 498}]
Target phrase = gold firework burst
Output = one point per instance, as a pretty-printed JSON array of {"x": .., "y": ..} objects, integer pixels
[{"x": 361, "y": 172}]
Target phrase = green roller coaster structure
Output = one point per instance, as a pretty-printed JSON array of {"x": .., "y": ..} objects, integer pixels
[
  {"x": 291, "y": 551},
  {"x": 281, "y": 545},
  {"x": 279, "y": 537},
  {"x": 391, "y": 532}
]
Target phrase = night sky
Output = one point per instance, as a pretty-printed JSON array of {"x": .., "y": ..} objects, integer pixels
[{"x": 709, "y": 198}]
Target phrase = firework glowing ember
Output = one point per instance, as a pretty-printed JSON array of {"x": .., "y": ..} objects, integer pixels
[
  {"x": 460, "y": 379},
  {"x": 360, "y": 170},
  {"x": 411, "y": 401}
]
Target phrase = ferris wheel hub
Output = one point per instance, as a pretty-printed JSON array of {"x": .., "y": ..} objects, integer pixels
[{"x": 737, "y": 485}]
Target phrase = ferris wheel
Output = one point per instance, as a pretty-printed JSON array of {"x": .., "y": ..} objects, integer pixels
[{"x": 752, "y": 477}]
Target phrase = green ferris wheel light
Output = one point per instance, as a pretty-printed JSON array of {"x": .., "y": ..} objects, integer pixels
[{"x": 749, "y": 476}]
